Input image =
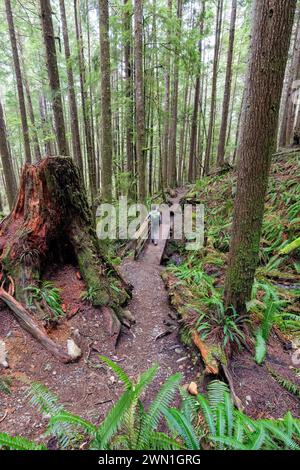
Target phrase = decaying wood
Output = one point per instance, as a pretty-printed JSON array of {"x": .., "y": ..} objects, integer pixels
[
  {"x": 211, "y": 364},
  {"x": 26, "y": 321},
  {"x": 51, "y": 219}
]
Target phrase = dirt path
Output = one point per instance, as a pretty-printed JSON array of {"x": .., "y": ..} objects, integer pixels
[{"x": 88, "y": 388}]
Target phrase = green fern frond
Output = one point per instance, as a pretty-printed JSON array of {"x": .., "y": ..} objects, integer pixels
[
  {"x": 5, "y": 384},
  {"x": 44, "y": 400},
  {"x": 118, "y": 371},
  {"x": 216, "y": 391},
  {"x": 260, "y": 347},
  {"x": 208, "y": 414},
  {"x": 179, "y": 423},
  {"x": 18, "y": 443},
  {"x": 160, "y": 441},
  {"x": 228, "y": 442},
  {"x": 113, "y": 420},
  {"x": 258, "y": 439},
  {"x": 228, "y": 410},
  {"x": 280, "y": 435},
  {"x": 160, "y": 403},
  {"x": 68, "y": 418},
  {"x": 285, "y": 383}
]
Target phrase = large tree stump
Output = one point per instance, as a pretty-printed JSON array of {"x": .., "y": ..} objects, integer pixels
[{"x": 52, "y": 218}]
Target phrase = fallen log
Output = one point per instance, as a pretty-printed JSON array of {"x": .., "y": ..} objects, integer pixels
[{"x": 26, "y": 321}]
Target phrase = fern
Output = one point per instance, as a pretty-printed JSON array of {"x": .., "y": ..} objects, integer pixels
[
  {"x": 158, "y": 406},
  {"x": 42, "y": 399},
  {"x": 260, "y": 347},
  {"x": 5, "y": 384},
  {"x": 216, "y": 391},
  {"x": 285, "y": 383},
  {"x": 18, "y": 443},
  {"x": 179, "y": 423},
  {"x": 118, "y": 371}
]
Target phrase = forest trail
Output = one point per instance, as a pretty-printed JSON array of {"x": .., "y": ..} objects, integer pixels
[
  {"x": 154, "y": 338},
  {"x": 88, "y": 388}
]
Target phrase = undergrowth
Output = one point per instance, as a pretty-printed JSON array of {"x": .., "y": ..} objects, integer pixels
[{"x": 200, "y": 422}]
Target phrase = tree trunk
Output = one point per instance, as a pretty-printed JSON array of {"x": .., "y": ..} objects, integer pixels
[
  {"x": 139, "y": 98},
  {"x": 35, "y": 140},
  {"x": 76, "y": 145},
  {"x": 193, "y": 147},
  {"x": 129, "y": 93},
  {"x": 213, "y": 88},
  {"x": 271, "y": 30},
  {"x": 167, "y": 108},
  {"x": 90, "y": 151},
  {"x": 22, "y": 106},
  {"x": 288, "y": 116},
  {"x": 106, "y": 147},
  {"x": 172, "y": 171},
  {"x": 51, "y": 61},
  {"x": 9, "y": 175},
  {"x": 51, "y": 217},
  {"x": 227, "y": 89}
]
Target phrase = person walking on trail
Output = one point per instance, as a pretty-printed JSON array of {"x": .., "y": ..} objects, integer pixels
[{"x": 155, "y": 220}]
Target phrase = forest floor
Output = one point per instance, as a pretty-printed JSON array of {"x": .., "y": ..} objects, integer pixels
[{"x": 88, "y": 388}]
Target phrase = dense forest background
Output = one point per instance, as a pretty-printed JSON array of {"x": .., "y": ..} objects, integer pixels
[{"x": 163, "y": 70}]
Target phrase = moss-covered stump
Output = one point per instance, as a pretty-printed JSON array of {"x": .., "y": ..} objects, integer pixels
[{"x": 51, "y": 218}]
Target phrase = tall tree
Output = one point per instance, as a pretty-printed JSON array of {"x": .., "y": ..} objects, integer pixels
[
  {"x": 271, "y": 31},
  {"x": 76, "y": 145},
  {"x": 166, "y": 131},
  {"x": 213, "y": 87},
  {"x": 106, "y": 143},
  {"x": 128, "y": 90},
  {"x": 35, "y": 139},
  {"x": 227, "y": 89},
  {"x": 51, "y": 61},
  {"x": 289, "y": 107},
  {"x": 193, "y": 147},
  {"x": 9, "y": 175},
  {"x": 90, "y": 149},
  {"x": 172, "y": 154},
  {"x": 139, "y": 98},
  {"x": 18, "y": 73}
]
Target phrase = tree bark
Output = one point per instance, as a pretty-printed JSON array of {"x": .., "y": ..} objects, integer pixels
[
  {"x": 172, "y": 160},
  {"x": 9, "y": 175},
  {"x": 17, "y": 66},
  {"x": 90, "y": 151},
  {"x": 166, "y": 108},
  {"x": 271, "y": 31},
  {"x": 288, "y": 116},
  {"x": 139, "y": 98},
  {"x": 129, "y": 93},
  {"x": 214, "y": 87},
  {"x": 76, "y": 145},
  {"x": 106, "y": 143},
  {"x": 227, "y": 89},
  {"x": 51, "y": 61},
  {"x": 193, "y": 147}
]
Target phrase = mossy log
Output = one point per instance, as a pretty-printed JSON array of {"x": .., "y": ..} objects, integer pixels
[{"x": 51, "y": 218}]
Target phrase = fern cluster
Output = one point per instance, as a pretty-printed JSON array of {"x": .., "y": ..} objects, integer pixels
[{"x": 201, "y": 422}]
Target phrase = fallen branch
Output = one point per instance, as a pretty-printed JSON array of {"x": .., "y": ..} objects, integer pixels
[
  {"x": 229, "y": 379},
  {"x": 25, "y": 320}
]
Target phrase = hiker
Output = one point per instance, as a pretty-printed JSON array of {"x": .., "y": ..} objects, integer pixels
[{"x": 155, "y": 219}]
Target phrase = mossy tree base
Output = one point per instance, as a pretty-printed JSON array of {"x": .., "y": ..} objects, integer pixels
[{"x": 51, "y": 215}]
